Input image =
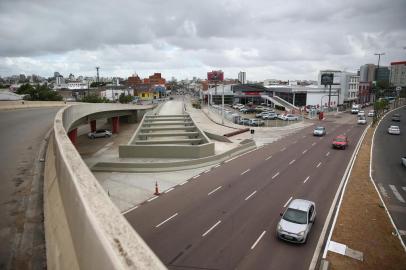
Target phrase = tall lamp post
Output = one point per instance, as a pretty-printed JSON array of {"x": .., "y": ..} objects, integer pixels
[{"x": 376, "y": 92}]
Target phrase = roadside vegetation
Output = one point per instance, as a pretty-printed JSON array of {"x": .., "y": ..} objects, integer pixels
[{"x": 38, "y": 93}]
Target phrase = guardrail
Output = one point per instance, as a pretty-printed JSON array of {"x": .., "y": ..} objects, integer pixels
[{"x": 83, "y": 228}]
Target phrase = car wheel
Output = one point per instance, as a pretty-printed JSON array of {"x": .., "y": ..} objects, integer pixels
[
  {"x": 92, "y": 137},
  {"x": 107, "y": 135}
]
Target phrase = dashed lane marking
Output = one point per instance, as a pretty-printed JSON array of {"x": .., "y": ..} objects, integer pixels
[
  {"x": 183, "y": 183},
  {"x": 287, "y": 202},
  {"x": 307, "y": 178},
  {"x": 196, "y": 176},
  {"x": 327, "y": 154},
  {"x": 218, "y": 165},
  {"x": 259, "y": 238},
  {"x": 166, "y": 220},
  {"x": 153, "y": 198},
  {"x": 276, "y": 174},
  {"x": 283, "y": 149},
  {"x": 304, "y": 152},
  {"x": 212, "y": 227},
  {"x": 318, "y": 165},
  {"x": 252, "y": 194},
  {"x": 313, "y": 144},
  {"x": 169, "y": 190},
  {"x": 397, "y": 194},
  {"x": 129, "y": 210},
  {"x": 214, "y": 190},
  {"x": 268, "y": 158},
  {"x": 290, "y": 163},
  {"x": 244, "y": 172}
]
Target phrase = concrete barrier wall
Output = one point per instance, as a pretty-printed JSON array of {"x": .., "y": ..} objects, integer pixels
[{"x": 99, "y": 236}]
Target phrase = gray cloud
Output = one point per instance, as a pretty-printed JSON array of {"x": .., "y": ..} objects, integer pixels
[{"x": 285, "y": 39}]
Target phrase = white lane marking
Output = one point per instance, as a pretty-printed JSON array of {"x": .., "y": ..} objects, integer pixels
[
  {"x": 397, "y": 194},
  {"x": 307, "y": 178},
  {"x": 402, "y": 232},
  {"x": 153, "y": 198},
  {"x": 206, "y": 171},
  {"x": 166, "y": 220},
  {"x": 318, "y": 165},
  {"x": 129, "y": 210},
  {"x": 294, "y": 141},
  {"x": 290, "y": 163},
  {"x": 230, "y": 159},
  {"x": 260, "y": 147},
  {"x": 327, "y": 154},
  {"x": 183, "y": 183},
  {"x": 244, "y": 172},
  {"x": 259, "y": 238},
  {"x": 383, "y": 190},
  {"x": 321, "y": 138},
  {"x": 304, "y": 152},
  {"x": 169, "y": 190},
  {"x": 287, "y": 202},
  {"x": 214, "y": 190},
  {"x": 268, "y": 157},
  {"x": 283, "y": 149},
  {"x": 218, "y": 165},
  {"x": 313, "y": 144},
  {"x": 196, "y": 176},
  {"x": 212, "y": 227},
  {"x": 252, "y": 194},
  {"x": 276, "y": 174},
  {"x": 304, "y": 136}
]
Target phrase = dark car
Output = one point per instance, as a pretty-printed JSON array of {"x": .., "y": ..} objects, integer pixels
[
  {"x": 340, "y": 142},
  {"x": 396, "y": 117}
]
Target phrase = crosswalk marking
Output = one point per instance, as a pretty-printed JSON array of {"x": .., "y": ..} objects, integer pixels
[
  {"x": 383, "y": 190},
  {"x": 397, "y": 194}
]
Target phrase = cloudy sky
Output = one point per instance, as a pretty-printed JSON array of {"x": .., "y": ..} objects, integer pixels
[{"x": 186, "y": 38}]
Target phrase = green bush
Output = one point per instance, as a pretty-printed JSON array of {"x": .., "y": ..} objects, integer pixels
[{"x": 39, "y": 92}]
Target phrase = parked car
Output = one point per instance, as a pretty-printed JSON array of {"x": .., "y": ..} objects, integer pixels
[
  {"x": 100, "y": 133},
  {"x": 269, "y": 116},
  {"x": 361, "y": 120},
  {"x": 244, "y": 121},
  {"x": 396, "y": 117},
  {"x": 340, "y": 142},
  {"x": 256, "y": 122},
  {"x": 259, "y": 115},
  {"x": 238, "y": 106},
  {"x": 371, "y": 113},
  {"x": 395, "y": 130},
  {"x": 297, "y": 221},
  {"x": 247, "y": 110},
  {"x": 260, "y": 108},
  {"x": 291, "y": 117},
  {"x": 319, "y": 131}
]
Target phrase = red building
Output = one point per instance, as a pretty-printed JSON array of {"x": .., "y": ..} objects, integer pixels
[
  {"x": 215, "y": 76},
  {"x": 364, "y": 92}
]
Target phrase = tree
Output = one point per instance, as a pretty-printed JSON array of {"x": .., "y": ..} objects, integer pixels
[
  {"x": 125, "y": 98},
  {"x": 93, "y": 98},
  {"x": 39, "y": 92}
]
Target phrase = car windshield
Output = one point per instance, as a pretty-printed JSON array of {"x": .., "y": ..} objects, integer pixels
[
  {"x": 295, "y": 216},
  {"x": 320, "y": 128},
  {"x": 339, "y": 139}
]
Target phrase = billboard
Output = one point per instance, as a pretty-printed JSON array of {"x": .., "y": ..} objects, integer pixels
[
  {"x": 215, "y": 76},
  {"x": 327, "y": 78}
]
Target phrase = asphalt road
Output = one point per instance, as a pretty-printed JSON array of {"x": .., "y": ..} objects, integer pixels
[
  {"x": 22, "y": 132},
  {"x": 226, "y": 218},
  {"x": 388, "y": 173}
]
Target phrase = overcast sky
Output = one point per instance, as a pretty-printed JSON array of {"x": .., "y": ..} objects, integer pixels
[{"x": 187, "y": 38}]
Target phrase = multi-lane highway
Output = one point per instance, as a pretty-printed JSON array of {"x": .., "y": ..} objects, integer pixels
[
  {"x": 388, "y": 173},
  {"x": 22, "y": 132},
  {"x": 226, "y": 217}
]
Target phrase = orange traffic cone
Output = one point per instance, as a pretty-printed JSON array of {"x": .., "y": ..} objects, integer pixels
[{"x": 156, "y": 189}]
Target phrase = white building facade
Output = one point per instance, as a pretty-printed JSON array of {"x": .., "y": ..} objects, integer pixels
[{"x": 398, "y": 73}]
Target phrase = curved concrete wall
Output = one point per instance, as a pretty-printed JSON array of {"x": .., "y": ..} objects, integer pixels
[{"x": 94, "y": 233}]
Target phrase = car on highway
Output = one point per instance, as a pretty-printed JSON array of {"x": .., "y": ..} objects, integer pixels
[
  {"x": 371, "y": 113},
  {"x": 319, "y": 131},
  {"x": 340, "y": 142},
  {"x": 270, "y": 116},
  {"x": 296, "y": 221},
  {"x": 361, "y": 120},
  {"x": 256, "y": 122},
  {"x": 291, "y": 117},
  {"x": 396, "y": 117},
  {"x": 394, "y": 130},
  {"x": 100, "y": 133},
  {"x": 361, "y": 113}
]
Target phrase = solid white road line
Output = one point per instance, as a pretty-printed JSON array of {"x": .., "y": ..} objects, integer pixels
[
  {"x": 268, "y": 157},
  {"x": 276, "y": 174},
  {"x": 313, "y": 144},
  {"x": 327, "y": 154},
  {"x": 212, "y": 227},
  {"x": 287, "y": 202},
  {"x": 290, "y": 163},
  {"x": 283, "y": 149},
  {"x": 244, "y": 172},
  {"x": 183, "y": 183},
  {"x": 307, "y": 178},
  {"x": 166, "y": 220},
  {"x": 252, "y": 194},
  {"x": 169, "y": 190},
  {"x": 153, "y": 198},
  {"x": 129, "y": 210},
  {"x": 196, "y": 176},
  {"x": 214, "y": 190},
  {"x": 304, "y": 152},
  {"x": 318, "y": 165},
  {"x": 383, "y": 190},
  {"x": 259, "y": 238},
  {"x": 397, "y": 194}
]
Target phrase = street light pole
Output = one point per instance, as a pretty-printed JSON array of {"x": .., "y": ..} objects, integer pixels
[{"x": 222, "y": 110}]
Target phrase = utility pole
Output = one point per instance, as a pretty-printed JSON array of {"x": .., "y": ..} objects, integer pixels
[{"x": 97, "y": 78}]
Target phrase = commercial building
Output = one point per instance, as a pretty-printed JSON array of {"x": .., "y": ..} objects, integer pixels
[
  {"x": 149, "y": 88},
  {"x": 367, "y": 73},
  {"x": 242, "y": 77},
  {"x": 398, "y": 73},
  {"x": 382, "y": 74}
]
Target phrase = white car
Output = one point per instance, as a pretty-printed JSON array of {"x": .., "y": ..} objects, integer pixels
[
  {"x": 371, "y": 113},
  {"x": 319, "y": 131},
  {"x": 361, "y": 113},
  {"x": 101, "y": 133},
  {"x": 362, "y": 120},
  {"x": 395, "y": 130},
  {"x": 238, "y": 106},
  {"x": 291, "y": 117},
  {"x": 404, "y": 161}
]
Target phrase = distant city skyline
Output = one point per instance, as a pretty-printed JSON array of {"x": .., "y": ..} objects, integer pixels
[{"x": 266, "y": 39}]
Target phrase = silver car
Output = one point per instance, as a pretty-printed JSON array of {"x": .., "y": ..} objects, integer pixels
[
  {"x": 319, "y": 131},
  {"x": 101, "y": 133},
  {"x": 296, "y": 221}
]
